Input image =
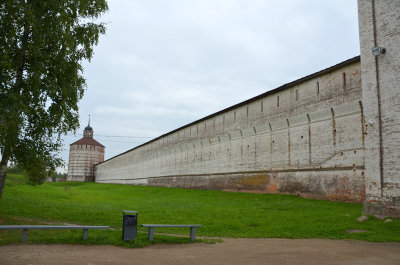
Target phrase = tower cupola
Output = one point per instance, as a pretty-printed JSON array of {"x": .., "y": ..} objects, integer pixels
[{"x": 88, "y": 132}]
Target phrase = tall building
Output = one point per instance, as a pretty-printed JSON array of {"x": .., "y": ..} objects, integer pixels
[{"x": 84, "y": 154}]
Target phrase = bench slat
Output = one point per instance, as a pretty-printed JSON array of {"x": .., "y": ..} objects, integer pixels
[
  {"x": 151, "y": 229},
  {"x": 160, "y": 225},
  {"x": 25, "y": 228},
  {"x": 9, "y": 227}
]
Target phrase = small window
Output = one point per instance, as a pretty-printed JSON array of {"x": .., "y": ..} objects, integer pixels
[
  {"x": 317, "y": 88},
  {"x": 297, "y": 95},
  {"x": 247, "y": 111},
  {"x": 262, "y": 106},
  {"x": 277, "y": 101},
  {"x": 234, "y": 116},
  {"x": 344, "y": 80}
]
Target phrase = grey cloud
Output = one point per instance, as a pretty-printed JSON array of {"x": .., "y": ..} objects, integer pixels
[{"x": 163, "y": 64}]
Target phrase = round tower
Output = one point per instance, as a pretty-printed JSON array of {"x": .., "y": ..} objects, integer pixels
[{"x": 83, "y": 155}]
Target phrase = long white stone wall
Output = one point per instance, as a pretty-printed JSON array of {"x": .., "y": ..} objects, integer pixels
[{"x": 302, "y": 138}]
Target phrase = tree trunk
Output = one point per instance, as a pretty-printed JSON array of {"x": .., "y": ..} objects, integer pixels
[
  {"x": 21, "y": 66},
  {"x": 3, "y": 170}
]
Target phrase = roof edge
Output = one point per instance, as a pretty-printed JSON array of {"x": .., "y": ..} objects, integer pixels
[{"x": 96, "y": 143}]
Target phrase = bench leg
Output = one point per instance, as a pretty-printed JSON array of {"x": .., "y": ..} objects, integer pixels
[
  {"x": 24, "y": 235},
  {"x": 85, "y": 232},
  {"x": 193, "y": 233},
  {"x": 151, "y": 233}
]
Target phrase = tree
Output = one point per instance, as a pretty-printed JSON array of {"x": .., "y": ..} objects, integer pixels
[{"x": 42, "y": 46}]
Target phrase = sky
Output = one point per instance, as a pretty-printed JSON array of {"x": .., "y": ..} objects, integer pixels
[{"x": 165, "y": 63}]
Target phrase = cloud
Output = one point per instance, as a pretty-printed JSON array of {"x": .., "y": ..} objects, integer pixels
[{"x": 163, "y": 64}]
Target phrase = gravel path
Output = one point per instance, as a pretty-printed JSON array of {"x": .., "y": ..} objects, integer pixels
[{"x": 231, "y": 251}]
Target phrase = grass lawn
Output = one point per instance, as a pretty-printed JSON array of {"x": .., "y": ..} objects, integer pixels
[{"x": 222, "y": 214}]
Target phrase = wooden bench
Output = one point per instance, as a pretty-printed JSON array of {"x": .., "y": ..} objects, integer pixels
[
  {"x": 151, "y": 229},
  {"x": 25, "y": 228}
]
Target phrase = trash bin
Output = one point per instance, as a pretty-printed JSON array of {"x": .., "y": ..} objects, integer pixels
[{"x": 129, "y": 227}]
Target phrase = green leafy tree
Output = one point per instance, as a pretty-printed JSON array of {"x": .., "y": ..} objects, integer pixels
[{"x": 42, "y": 46}]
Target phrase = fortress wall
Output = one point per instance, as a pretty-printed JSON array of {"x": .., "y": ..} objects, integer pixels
[
  {"x": 304, "y": 138},
  {"x": 379, "y": 23},
  {"x": 81, "y": 160}
]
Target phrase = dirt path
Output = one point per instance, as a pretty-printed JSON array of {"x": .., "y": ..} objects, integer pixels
[{"x": 231, "y": 251}]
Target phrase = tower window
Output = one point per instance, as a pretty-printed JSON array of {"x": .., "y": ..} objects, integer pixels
[
  {"x": 317, "y": 86},
  {"x": 277, "y": 101},
  {"x": 344, "y": 80}
]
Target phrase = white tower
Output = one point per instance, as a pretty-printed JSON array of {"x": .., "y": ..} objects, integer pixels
[{"x": 83, "y": 155}]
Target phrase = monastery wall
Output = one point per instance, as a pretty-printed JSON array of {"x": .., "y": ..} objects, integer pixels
[{"x": 306, "y": 137}]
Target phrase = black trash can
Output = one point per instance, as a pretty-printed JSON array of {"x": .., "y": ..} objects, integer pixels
[{"x": 129, "y": 227}]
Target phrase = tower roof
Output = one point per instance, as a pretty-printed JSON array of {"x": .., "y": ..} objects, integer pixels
[
  {"x": 87, "y": 137},
  {"x": 88, "y": 141}
]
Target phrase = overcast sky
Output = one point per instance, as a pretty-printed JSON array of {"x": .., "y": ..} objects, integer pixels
[{"x": 165, "y": 63}]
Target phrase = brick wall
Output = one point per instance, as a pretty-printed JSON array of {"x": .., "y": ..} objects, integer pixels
[
  {"x": 303, "y": 138},
  {"x": 82, "y": 159},
  {"x": 379, "y": 23}
]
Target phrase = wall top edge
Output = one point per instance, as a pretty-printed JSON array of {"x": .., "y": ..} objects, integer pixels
[{"x": 270, "y": 92}]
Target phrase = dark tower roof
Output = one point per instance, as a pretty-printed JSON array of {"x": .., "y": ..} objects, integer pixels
[
  {"x": 87, "y": 137},
  {"x": 88, "y": 141}
]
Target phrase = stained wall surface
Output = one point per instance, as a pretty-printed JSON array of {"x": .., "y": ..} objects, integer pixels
[
  {"x": 379, "y": 23},
  {"x": 306, "y": 138}
]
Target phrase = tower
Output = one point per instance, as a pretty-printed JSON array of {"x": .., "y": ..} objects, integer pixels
[
  {"x": 83, "y": 155},
  {"x": 379, "y": 23}
]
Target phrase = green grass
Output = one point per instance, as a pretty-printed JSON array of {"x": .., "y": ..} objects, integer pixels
[{"x": 222, "y": 214}]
